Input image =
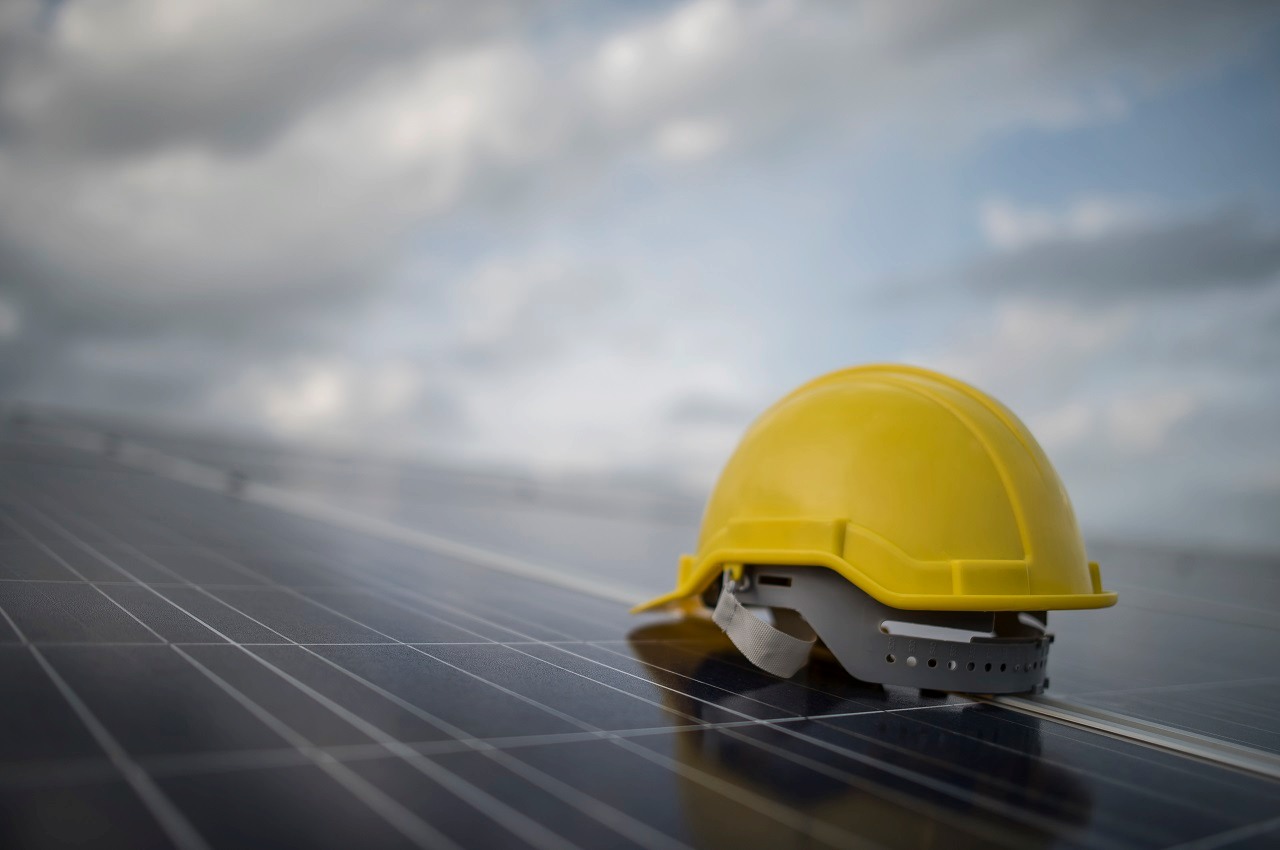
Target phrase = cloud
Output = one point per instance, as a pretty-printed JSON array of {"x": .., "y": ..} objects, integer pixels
[
  {"x": 1112, "y": 251},
  {"x": 1011, "y": 227},
  {"x": 1143, "y": 423},
  {"x": 389, "y": 403},
  {"x": 1028, "y": 343},
  {"x": 120, "y": 79},
  {"x": 690, "y": 139},
  {"x": 1130, "y": 424},
  {"x": 490, "y": 231},
  {"x": 1137, "y": 341}
]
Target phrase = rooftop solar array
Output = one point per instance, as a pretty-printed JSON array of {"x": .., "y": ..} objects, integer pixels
[{"x": 186, "y": 668}]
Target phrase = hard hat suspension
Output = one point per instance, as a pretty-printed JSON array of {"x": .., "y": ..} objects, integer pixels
[{"x": 850, "y": 624}]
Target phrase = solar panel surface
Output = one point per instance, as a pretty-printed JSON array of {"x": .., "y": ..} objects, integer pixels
[{"x": 183, "y": 668}]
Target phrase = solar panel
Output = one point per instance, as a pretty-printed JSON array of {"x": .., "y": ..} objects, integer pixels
[{"x": 184, "y": 668}]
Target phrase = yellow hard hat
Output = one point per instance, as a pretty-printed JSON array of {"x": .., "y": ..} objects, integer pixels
[{"x": 916, "y": 489}]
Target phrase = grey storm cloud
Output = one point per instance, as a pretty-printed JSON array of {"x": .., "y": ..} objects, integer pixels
[
  {"x": 286, "y": 210},
  {"x": 1230, "y": 248},
  {"x": 132, "y": 77}
]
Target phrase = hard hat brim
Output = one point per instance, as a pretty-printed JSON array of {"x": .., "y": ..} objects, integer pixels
[{"x": 695, "y": 577}]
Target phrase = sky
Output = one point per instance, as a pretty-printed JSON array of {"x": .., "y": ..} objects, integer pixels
[{"x": 571, "y": 237}]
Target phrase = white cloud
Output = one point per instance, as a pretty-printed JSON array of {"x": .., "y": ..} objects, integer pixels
[
  {"x": 428, "y": 113},
  {"x": 332, "y": 399},
  {"x": 1143, "y": 423},
  {"x": 1064, "y": 426},
  {"x": 690, "y": 139},
  {"x": 326, "y": 199},
  {"x": 1131, "y": 424},
  {"x": 1009, "y": 226},
  {"x": 1027, "y": 343}
]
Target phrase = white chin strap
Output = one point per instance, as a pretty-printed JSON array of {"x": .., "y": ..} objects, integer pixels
[{"x": 765, "y": 646}]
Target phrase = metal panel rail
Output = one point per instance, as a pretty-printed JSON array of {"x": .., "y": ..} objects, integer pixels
[{"x": 1182, "y": 742}]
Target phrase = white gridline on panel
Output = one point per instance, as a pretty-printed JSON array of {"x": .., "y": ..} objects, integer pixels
[
  {"x": 501, "y": 813},
  {"x": 867, "y": 786},
  {"x": 592, "y": 661},
  {"x": 543, "y": 642},
  {"x": 788, "y": 817},
  {"x": 593, "y": 807}
]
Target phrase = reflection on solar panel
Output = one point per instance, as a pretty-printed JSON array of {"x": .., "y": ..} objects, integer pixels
[{"x": 183, "y": 668}]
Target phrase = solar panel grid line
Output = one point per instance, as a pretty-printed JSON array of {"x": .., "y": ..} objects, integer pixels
[
  {"x": 907, "y": 801},
  {"x": 819, "y": 830},
  {"x": 540, "y": 641},
  {"x": 597, "y": 808},
  {"x": 519, "y": 824},
  {"x": 907, "y": 752},
  {"x": 8, "y": 520},
  {"x": 379, "y": 529},
  {"x": 207, "y": 477},
  {"x": 1141, "y": 739},
  {"x": 1154, "y": 756},
  {"x": 529, "y": 643},
  {"x": 1135, "y": 752},
  {"x": 578, "y": 614},
  {"x": 68, "y": 771},
  {"x": 755, "y": 699},
  {"x": 397, "y": 816},
  {"x": 235, "y": 564},
  {"x": 977, "y": 775},
  {"x": 172, "y": 821},
  {"x": 841, "y": 838},
  {"x": 1172, "y": 799},
  {"x": 620, "y": 821},
  {"x": 298, "y": 594},
  {"x": 72, "y": 771}
]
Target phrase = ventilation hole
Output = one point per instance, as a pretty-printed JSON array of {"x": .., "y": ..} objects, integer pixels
[
  {"x": 969, "y": 666},
  {"x": 987, "y": 667},
  {"x": 780, "y": 581},
  {"x": 933, "y": 662},
  {"x": 890, "y": 658},
  {"x": 1004, "y": 667},
  {"x": 1017, "y": 668},
  {"x": 951, "y": 665},
  {"x": 911, "y": 661}
]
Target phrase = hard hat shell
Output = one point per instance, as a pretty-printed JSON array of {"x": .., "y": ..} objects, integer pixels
[{"x": 921, "y": 490}]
